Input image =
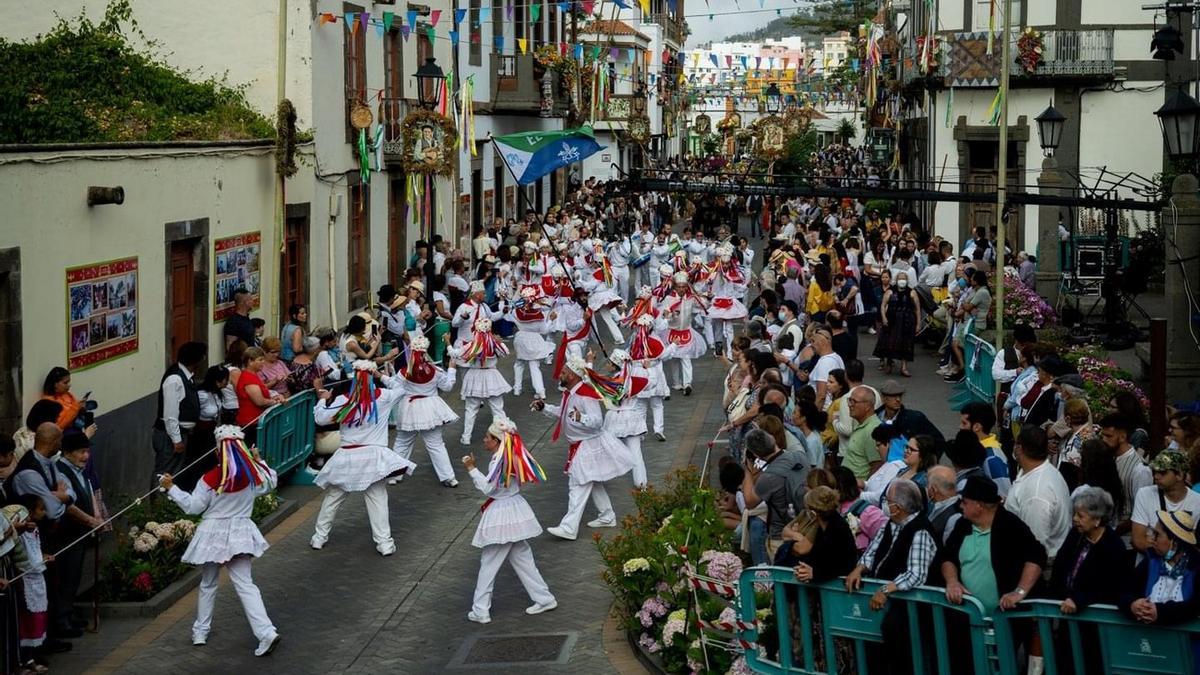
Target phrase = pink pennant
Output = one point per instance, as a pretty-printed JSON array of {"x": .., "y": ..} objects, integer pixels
[{"x": 434, "y": 15}]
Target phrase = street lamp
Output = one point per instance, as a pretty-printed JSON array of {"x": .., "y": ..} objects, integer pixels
[
  {"x": 774, "y": 99},
  {"x": 1050, "y": 126},
  {"x": 429, "y": 83},
  {"x": 1180, "y": 121}
]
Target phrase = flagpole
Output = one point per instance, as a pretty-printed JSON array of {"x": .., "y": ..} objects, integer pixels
[{"x": 522, "y": 197}]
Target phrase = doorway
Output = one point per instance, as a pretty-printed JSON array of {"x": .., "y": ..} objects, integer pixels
[
  {"x": 10, "y": 338},
  {"x": 476, "y": 202},
  {"x": 182, "y": 310},
  {"x": 294, "y": 279},
  {"x": 498, "y": 195},
  {"x": 187, "y": 254}
]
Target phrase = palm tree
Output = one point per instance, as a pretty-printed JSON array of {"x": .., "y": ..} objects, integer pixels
[{"x": 846, "y": 131}]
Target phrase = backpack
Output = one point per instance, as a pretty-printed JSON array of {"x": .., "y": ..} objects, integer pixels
[{"x": 793, "y": 466}]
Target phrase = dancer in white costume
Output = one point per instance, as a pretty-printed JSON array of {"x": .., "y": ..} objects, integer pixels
[
  {"x": 482, "y": 381},
  {"x": 506, "y": 522},
  {"x": 226, "y": 536},
  {"x": 364, "y": 461},
  {"x": 602, "y": 298},
  {"x": 648, "y": 352},
  {"x": 422, "y": 412},
  {"x": 533, "y": 323},
  {"x": 594, "y": 455},
  {"x": 727, "y": 286},
  {"x": 680, "y": 307},
  {"x": 626, "y": 419},
  {"x": 471, "y": 311}
]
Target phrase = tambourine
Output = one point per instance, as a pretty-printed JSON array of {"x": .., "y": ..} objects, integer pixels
[{"x": 360, "y": 116}]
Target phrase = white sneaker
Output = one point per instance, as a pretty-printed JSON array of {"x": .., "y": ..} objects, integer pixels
[
  {"x": 538, "y": 609},
  {"x": 560, "y": 533},
  {"x": 386, "y": 550},
  {"x": 599, "y": 522},
  {"x": 516, "y": 392},
  {"x": 870, "y": 331},
  {"x": 477, "y": 618},
  {"x": 464, "y": 440},
  {"x": 450, "y": 482},
  {"x": 944, "y": 370},
  {"x": 199, "y": 639},
  {"x": 393, "y": 481},
  {"x": 317, "y": 543},
  {"x": 267, "y": 645},
  {"x": 661, "y": 438}
]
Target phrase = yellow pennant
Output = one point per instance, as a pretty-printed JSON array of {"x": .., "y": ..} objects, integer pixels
[
  {"x": 521, "y": 43},
  {"x": 645, "y": 6}
]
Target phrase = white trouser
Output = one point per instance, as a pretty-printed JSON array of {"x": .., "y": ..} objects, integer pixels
[
  {"x": 708, "y": 331},
  {"x": 243, "y": 583},
  {"x": 577, "y": 497},
  {"x": 685, "y": 372},
  {"x": 496, "y": 403},
  {"x": 609, "y": 316},
  {"x": 435, "y": 446},
  {"x": 520, "y": 556},
  {"x": 725, "y": 326},
  {"x": 656, "y": 413},
  {"x": 376, "y": 500},
  {"x": 634, "y": 443},
  {"x": 621, "y": 276},
  {"x": 535, "y": 377}
]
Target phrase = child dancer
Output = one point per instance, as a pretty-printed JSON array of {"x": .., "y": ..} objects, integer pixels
[
  {"x": 226, "y": 537},
  {"x": 482, "y": 381},
  {"x": 648, "y": 352},
  {"x": 506, "y": 521}
]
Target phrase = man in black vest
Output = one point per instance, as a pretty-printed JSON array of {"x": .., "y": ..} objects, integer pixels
[
  {"x": 902, "y": 552},
  {"x": 79, "y": 520},
  {"x": 178, "y": 409}
]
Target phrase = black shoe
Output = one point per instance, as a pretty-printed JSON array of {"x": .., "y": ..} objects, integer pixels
[
  {"x": 55, "y": 646},
  {"x": 957, "y": 377},
  {"x": 687, "y": 391}
]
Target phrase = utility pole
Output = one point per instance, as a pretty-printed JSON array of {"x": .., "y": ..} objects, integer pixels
[{"x": 1002, "y": 174}]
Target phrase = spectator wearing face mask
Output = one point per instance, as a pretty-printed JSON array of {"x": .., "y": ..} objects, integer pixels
[{"x": 900, "y": 316}]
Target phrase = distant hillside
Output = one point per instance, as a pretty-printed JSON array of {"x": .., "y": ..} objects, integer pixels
[{"x": 779, "y": 27}]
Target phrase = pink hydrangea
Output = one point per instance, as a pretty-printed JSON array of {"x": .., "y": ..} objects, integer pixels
[
  {"x": 653, "y": 608},
  {"x": 649, "y": 644},
  {"x": 722, "y": 565},
  {"x": 739, "y": 667}
]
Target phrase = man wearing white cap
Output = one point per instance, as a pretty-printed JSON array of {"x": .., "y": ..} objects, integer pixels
[
  {"x": 680, "y": 307},
  {"x": 364, "y": 462},
  {"x": 471, "y": 311},
  {"x": 595, "y": 455},
  {"x": 422, "y": 411}
]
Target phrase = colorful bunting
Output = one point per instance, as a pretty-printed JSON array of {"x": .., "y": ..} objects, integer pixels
[
  {"x": 535, "y": 11},
  {"x": 459, "y": 15},
  {"x": 485, "y": 13},
  {"x": 521, "y": 43},
  {"x": 434, "y": 15},
  {"x": 453, "y": 38},
  {"x": 412, "y": 19}
]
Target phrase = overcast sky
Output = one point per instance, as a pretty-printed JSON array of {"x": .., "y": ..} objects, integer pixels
[{"x": 730, "y": 17}]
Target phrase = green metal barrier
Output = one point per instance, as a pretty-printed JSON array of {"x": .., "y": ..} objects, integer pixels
[
  {"x": 1099, "y": 632},
  {"x": 979, "y": 355},
  {"x": 286, "y": 432}
]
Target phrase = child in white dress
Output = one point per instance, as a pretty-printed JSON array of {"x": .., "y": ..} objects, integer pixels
[
  {"x": 506, "y": 521},
  {"x": 226, "y": 536}
]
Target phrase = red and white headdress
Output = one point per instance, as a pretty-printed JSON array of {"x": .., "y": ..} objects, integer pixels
[{"x": 419, "y": 370}]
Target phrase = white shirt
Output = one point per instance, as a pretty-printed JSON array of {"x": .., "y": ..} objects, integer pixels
[
  {"x": 820, "y": 373},
  {"x": 1147, "y": 505},
  {"x": 210, "y": 405},
  {"x": 327, "y": 366},
  {"x": 878, "y": 482},
  {"x": 1040, "y": 498},
  {"x": 173, "y": 393},
  {"x": 1135, "y": 475}
]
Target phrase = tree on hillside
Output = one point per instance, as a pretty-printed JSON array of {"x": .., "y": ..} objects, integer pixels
[{"x": 832, "y": 16}]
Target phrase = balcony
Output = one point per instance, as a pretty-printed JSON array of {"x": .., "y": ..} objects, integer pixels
[
  {"x": 1082, "y": 55},
  {"x": 517, "y": 86},
  {"x": 672, "y": 26},
  {"x": 392, "y": 109}
]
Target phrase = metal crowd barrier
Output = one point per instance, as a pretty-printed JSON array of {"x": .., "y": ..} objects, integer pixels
[
  {"x": 286, "y": 432},
  {"x": 1100, "y": 633},
  {"x": 978, "y": 355}
]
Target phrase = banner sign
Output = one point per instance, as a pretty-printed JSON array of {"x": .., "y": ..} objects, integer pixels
[
  {"x": 236, "y": 263},
  {"x": 102, "y": 321}
]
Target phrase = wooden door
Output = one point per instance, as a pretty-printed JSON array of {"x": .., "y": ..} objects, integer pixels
[
  {"x": 397, "y": 228},
  {"x": 182, "y": 310},
  {"x": 295, "y": 263}
]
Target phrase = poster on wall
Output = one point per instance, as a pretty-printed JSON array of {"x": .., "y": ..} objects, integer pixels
[
  {"x": 464, "y": 213},
  {"x": 102, "y": 320},
  {"x": 236, "y": 263},
  {"x": 510, "y": 202},
  {"x": 489, "y": 207}
]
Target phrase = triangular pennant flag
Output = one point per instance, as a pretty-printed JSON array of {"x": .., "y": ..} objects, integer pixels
[
  {"x": 500, "y": 44},
  {"x": 622, "y": 4},
  {"x": 412, "y": 19},
  {"x": 432, "y": 34},
  {"x": 757, "y": 62},
  {"x": 454, "y": 38},
  {"x": 673, "y": 5},
  {"x": 612, "y": 53},
  {"x": 508, "y": 11},
  {"x": 459, "y": 15},
  {"x": 588, "y": 6},
  {"x": 564, "y": 7},
  {"x": 434, "y": 15},
  {"x": 388, "y": 18},
  {"x": 579, "y": 52},
  {"x": 645, "y": 6},
  {"x": 521, "y": 43},
  {"x": 485, "y": 13},
  {"x": 713, "y": 57},
  {"x": 326, "y": 17},
  {"x": 365, "y": 18},
  {"x": 562, "y": 47},
  {"x": 351, "y": 21},
  {"x": 379, "y": 28},
  {"x": 535, "y": 11},
  {"x": 632, "y": 55},
  {"x": 743, "y": 60},
  {"x": 475, "y": 39},
  {"x": 728, "y": 60},
  {"x": 596, "y": 52},
  {"x": 404, "y": 31}
]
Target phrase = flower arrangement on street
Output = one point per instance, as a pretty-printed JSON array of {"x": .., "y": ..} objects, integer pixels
[
  {"x": 676, "y": 528},
  {"x": 1029, "y": 50},
  {"x": 147, "y": 556},
  {"x": 1023, "y": 306},
  {"x": 1102, "y": 378}
]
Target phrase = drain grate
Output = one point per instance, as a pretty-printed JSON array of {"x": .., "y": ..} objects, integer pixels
[{"x": 500, "y": 651}]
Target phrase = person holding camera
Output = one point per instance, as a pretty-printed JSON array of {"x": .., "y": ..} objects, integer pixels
[{"x": 767, "y": 481}]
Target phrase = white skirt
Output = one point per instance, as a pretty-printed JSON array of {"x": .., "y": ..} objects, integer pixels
[
  {"x": 506, "y": 520},
  {"x": 600, "y": 458},
  {"x": 483, "y": 383},
  {"x": 422, "y": 414},
  {"x": 219, "y": 540},
  {"x": 356, "y": 469},
  {"x": 531, "y": 346},
  {"x": 658, "y": 382},
  {"x": 693, "y": 349},
  {"x": 602, "y": 297},
  {"x": 628, "y": 420},
  {"x": 736, "y": 310}
]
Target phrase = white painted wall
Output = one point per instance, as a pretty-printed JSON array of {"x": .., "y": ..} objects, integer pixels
[
  {"x": 1132, "y": 45},
  {"x": 1114, "y": 12},
  {"x": 1040, "y": 13},
  {"x": 55, "y": 229}
]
